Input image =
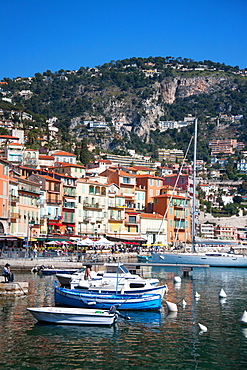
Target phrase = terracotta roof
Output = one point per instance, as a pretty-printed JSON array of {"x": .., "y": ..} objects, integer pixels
[
  {"x": 45, "y": 156},
  {"x": 9, "y": 137},
  {"x": 62, "y": 153},
  {"x": 49, "y": 178},
  {"x": 170, "y": 196},
  {"x": 150, "y": 177},
  {"x": 142, "y": 168},
  {"x": 150, "y": 215},
  {"x": 66, "y": 164},
  {"x": 104, "y": 161},
  {"x": 14, "y": 144}
]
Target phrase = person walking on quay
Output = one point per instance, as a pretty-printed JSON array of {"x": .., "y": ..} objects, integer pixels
[
  {"x": 87, "y": 275},
  {"x": 8, "y": 275}
]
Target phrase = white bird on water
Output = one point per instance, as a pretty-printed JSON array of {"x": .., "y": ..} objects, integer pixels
[
  {"x": 222, "y": 294},
  {"x": 203, "y": 328}
]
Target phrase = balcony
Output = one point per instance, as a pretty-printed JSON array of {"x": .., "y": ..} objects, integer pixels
[
  {"x": 36, "y": 192},
  {"x": 180, "y": 216},
  {"x": 92, "y": 205},
  {"x": 14, "y": 198},
  {"x": 53, "y": 201},
  {"x": 14, "y": 216}
]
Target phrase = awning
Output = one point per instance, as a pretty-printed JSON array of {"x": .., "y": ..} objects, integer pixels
[
  {"x": 58, "y": 224},
  {"x": 51, "y": 223},
  {"x": 69, "y": 200},
  {"x": 71, "y": 225}
]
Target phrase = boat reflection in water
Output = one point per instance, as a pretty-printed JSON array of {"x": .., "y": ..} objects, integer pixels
[{"x": 70, "y": 331}]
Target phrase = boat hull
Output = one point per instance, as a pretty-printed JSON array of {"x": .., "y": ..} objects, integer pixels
[
  {"x": 73, "y": 316},
  {"x": 211, "y": 259},
  {"x": 162, "y": 290},
  {"x": 56, "y": 271},
  {"x": 74, "y": 298}
]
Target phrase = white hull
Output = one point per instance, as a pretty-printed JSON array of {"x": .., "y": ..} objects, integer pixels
[
  {"x": 211, "y": 259},
  {"x": 74, "y": 316}
]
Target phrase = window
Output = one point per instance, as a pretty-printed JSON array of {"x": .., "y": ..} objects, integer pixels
[
  {"x": 157, "y": 182},
  {"x": 151, "y": 192},
  {"x": 126, "y": 180},
  {"x": 132, "y": 219},
  {"x": 151, "y": 182},
  {"x": 182, "y": 181}
]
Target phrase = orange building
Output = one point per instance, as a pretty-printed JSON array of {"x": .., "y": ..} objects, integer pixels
[
  {"x": 153, "y": 185},
  {"x": 177, "y": 210}
]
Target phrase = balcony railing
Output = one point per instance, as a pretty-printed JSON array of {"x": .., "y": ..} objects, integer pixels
[
  {"x": 91, "y": 205},
  {"x": 14, "y": 215},
  {"x": 53, "y": 201},
  {"x": 14, "y": 198}
]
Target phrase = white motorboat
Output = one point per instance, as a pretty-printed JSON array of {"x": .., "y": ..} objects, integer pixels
[
  {"x": 65, "y": 279},
  {"x": 78, "y": 316},
  {"x": 122, "y": 286},
  {"x": 117, "y": 279}
]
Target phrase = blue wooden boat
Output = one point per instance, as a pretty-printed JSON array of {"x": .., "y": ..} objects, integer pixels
[{"x": 74, "y": 298}]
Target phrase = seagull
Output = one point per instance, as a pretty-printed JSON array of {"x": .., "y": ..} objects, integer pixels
[{"x": 203, "y": 328}]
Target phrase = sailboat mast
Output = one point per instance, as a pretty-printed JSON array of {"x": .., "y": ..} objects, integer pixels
[{"x": 194, "y": 191}]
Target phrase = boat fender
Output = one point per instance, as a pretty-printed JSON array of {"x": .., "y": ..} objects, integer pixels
[
  {"x": 243, "y": 318},
  {"x": 222, "y": 294},
  {"x": 203, "y": 328}
]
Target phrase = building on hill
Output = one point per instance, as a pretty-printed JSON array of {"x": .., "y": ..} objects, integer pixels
[
  {"x": 118, "y": 160},
  {"x": 30, "y": 158},
  {"x": 14, "y": 153},
  {"x": 98, "y": 166},
  {"x": 61, "y": 156},
  {"x": 74, "y": 170},
  {"x": 46, "y": 161},
  {"x": 170, "y": 155},
  {"x": 227, "y": 147},
  {"x": 185, "y": 182}
]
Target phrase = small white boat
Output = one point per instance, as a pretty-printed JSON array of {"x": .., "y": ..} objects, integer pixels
[{"x": 78, "y": 316}]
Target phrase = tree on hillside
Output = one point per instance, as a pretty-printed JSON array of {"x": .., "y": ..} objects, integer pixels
[{"x": 84, "y": 152}]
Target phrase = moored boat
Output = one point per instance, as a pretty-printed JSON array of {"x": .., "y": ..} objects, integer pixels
[
  {"x": 76, "y": 298},
  {"x": 78, "y": 316},
  {"x": 212, "y": 259},
  {"x": 122, "y": 286}
]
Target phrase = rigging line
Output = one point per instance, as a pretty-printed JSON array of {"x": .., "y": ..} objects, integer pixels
[{"x": 174, "y": 188}]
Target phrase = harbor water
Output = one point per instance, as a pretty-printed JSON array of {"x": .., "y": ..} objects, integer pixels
[{"x": 150, "y": 340}]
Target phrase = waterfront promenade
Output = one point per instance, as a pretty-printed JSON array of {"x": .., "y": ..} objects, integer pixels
[{"x": 25, "y": 264}]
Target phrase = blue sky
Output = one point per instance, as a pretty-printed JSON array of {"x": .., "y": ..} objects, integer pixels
[{"x": 37, "y": 35}]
